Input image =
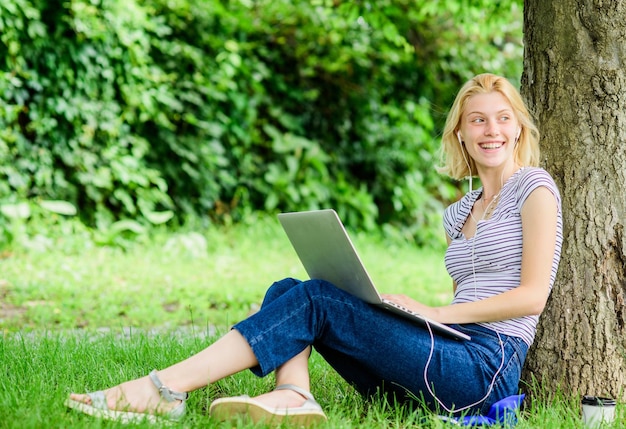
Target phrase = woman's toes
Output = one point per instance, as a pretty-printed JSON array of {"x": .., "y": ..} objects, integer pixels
[
  {"x": 139, "y": 396},
  {"x": 81, "y": 397}
]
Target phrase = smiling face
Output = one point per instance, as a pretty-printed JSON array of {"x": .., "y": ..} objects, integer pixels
[{"x": 489, "y": 130}]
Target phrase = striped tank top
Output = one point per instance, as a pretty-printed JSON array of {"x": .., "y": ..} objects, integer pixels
[{"x": 496, "y": 247}]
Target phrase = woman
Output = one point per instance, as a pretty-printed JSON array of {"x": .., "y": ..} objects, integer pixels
[{"x": 504, "y": 247}]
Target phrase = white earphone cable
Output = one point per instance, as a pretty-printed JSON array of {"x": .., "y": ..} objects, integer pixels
[
  {"x": 432, "y": 337},
  {"x": 493, "y": 380},
  {"x": 469, "y": 168}
]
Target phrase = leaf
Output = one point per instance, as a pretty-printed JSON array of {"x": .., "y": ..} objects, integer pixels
[
  {"x": 59, "y": 207},
  {"x": 16, "y": 211},
  {"x": 127, "y": 225},
  {"x": 157, "y": 218}
]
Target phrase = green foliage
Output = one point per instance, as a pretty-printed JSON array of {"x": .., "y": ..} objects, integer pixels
[
  {"x": 153, "y": 111},
  {"x": 65, "y": 110}
]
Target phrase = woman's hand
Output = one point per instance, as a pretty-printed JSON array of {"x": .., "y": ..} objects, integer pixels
[{"x": 413, "y": 305}]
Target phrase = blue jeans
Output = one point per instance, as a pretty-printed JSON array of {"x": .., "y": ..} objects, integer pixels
[{"x": 379, "y": 352}]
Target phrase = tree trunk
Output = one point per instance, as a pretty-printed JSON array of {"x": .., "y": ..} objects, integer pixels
[{"x": 574, "y": 81}]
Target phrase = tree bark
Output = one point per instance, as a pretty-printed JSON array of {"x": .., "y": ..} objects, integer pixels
[{"x": 574, "y": 81}]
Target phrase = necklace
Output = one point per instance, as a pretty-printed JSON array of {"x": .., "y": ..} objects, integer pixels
[
  {"x": 491, "y": 206},
  {"x": 488, "y": 209}
]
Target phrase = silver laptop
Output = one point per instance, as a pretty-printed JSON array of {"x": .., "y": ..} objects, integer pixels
[{"x": 327, "y": 253}]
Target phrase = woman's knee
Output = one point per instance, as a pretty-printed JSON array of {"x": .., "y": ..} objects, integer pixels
[
  {"x": 279, "y": 288},
  {"x": 308, "y": 290}
]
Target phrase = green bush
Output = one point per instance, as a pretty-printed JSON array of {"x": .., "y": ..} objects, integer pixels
[{"x": 155, "y": 111}]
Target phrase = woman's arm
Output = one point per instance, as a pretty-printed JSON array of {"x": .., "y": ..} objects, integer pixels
[{"x": 539, "y": 229}]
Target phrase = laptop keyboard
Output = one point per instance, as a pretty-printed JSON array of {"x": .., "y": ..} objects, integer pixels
[{"x": 401, "y": 307}]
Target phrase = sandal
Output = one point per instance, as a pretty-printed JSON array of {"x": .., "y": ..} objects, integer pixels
[
  {"x": 99, "y": 408},
  {"x": 225, "y": 409}
]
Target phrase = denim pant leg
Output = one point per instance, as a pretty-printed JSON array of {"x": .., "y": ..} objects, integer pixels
[{"x": 377, "y": 351}]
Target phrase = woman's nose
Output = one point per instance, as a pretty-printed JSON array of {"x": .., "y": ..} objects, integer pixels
[{"x": 492, "y": 129}]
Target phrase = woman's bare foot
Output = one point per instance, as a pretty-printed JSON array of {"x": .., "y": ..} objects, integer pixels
[
  {"x": 138, "y": 396},
  {"x": 281, "y": 399}
]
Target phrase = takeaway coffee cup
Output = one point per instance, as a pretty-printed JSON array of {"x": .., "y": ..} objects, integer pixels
[{"x": 597, "y": 410}]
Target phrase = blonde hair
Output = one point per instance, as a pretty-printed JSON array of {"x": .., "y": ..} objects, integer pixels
[{"x": 454, "y": 155}]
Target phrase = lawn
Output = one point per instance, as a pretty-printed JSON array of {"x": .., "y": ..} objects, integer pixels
[
  {"x": 76, "y": 316},
  {"x": 212, "y": 278}
]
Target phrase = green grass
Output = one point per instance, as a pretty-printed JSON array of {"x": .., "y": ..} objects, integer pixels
[
  {"x": 79, "y": 317},
  {"x": 215, "y": 278}
]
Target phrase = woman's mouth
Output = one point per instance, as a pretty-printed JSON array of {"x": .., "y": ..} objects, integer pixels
[{"x": 488, "y": 146}]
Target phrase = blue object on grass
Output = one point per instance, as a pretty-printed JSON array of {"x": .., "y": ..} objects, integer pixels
[{"x": 503, "y": 413}]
